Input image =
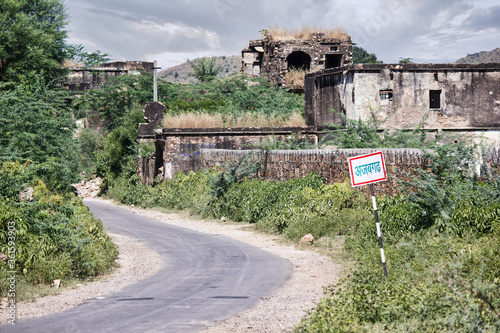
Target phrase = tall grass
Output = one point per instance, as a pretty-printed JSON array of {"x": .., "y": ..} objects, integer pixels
[
  {"x": 307, "y": 32},
  {"x": 295, "y": 78},
  {"x": 204, "y": 120}
]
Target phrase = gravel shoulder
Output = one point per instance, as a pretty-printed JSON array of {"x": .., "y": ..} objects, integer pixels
[
  {"x": 135, "y": 263},
  {"x": 279, "y": 312}
]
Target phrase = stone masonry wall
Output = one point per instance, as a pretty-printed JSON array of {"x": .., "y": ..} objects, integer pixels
[
  {"x": 331, "y": 164},
  {"x": 180, "y": 148},
  {"x": 274, "y": 58}
]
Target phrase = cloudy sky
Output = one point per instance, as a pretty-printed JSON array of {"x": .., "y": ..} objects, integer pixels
[{"x": 172, "y": 31}]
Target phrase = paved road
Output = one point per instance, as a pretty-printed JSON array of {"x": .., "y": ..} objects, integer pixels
[{"x": 206, "y": 278}]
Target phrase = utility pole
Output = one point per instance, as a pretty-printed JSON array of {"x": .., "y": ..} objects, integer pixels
[{"x": 155, "y": 84}]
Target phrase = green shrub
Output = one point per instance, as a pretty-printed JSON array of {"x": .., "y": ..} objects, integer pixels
[
  {"x": 334, "y": 223},
  {"x": 13, "y": 179},
  {"x": 468, "y": 218},
  {"x": 290, "y": 202},
  {"x": 186, "y": 192},
  {"x": 56, "y": 236},
  {"x": 248, "y": 201},
  {"x": 399, "y": 218}
]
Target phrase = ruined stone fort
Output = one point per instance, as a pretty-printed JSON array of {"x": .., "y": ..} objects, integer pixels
[{"x": 463, "y": 98}]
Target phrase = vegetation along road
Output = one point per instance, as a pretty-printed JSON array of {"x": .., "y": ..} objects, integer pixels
[{"x": 206, "y": 278}]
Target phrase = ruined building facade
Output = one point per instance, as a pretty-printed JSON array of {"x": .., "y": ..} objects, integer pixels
[
  {"x": 463, "y": 98},
  {"x": 83, "y": 78},
  {"x": 449, "y": 97},
  {"x": 273, "y": 58}
]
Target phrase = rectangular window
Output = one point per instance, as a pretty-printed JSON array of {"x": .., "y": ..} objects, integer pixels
[
  {"x": 333, "y": 60},
  {"x": 435, "y": 99},
  {"x": 385, "y": 97}
]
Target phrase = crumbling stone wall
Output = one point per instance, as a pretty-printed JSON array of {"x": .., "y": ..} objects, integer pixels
[
  {"x": 83, "y": 78},
  {"x": 179, "y": 149},
  {"x": 493, "y": 160},
  {"x": 331, "y": 164},
  {"x": 274, "y": 58}
]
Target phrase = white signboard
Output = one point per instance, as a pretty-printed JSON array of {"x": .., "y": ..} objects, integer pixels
[{"x": 366, "y": 169}]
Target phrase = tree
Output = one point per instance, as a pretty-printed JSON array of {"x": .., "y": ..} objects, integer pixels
[
  {"x": 36, "y": 126},
  {"x": 403, "y": 60},
  {"x": 205, "y": 70},
  {"x": 361, "y": 56},
  {"x": 88, "y": 59},
  {"x": 32, "y": 39}
]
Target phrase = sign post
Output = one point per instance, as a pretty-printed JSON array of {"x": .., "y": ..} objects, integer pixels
[
  {"x": 369, "y": 169},
  {"x": 155, "y": 81}
]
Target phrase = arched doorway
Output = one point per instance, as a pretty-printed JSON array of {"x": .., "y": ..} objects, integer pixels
[{"x": 299, "y": 60}]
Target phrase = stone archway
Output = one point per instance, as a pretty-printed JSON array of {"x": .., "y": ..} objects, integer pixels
[{"x": 298, "y": 60}]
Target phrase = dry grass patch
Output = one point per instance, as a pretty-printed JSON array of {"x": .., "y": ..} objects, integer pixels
[
  {"x": 307, "y": 32},
  {"x": 203, "y": 120},
  {"x": 295, "y": 78},
  {"x": 193, "y": 120}
]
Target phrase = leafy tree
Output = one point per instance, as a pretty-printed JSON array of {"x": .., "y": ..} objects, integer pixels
[
  {"x": 32, "y": 39},
  {"x": 120, "y": 145},
  {"x": 405, "y": 60},
  {"x": 118, "y": 95},
  {"x": 36, "y": 126},
  {"x": 369, "y": 134},
  {"x": 91, "y": 143},
  {"x": 89, "y": 59},
  {"x": 361, "y": 56},
  {"x": 205, "y": 69}
]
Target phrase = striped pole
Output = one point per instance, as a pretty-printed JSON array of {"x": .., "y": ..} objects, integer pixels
[{"x": 379, "y": 233}]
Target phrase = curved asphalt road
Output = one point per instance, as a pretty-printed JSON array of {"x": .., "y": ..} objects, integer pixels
[{"x": 206, "y": 278}]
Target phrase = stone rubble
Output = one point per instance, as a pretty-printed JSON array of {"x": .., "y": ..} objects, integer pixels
[{"x": 88, "y": 188}]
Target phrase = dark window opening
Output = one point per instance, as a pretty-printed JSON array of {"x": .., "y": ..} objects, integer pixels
[
  {"x": 333, "y": 49},
  {"x": 260, "y": 57},
  {"x": 299, "y": 60},
  {"x": 386, "y": 95},
  {"x": 333, "y": 60},
  {"x": 435, "y": 99}
]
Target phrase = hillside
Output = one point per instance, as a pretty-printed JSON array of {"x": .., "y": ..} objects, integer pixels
[
  {"x": 481, "y": 57},
  {"x": 181, "y": 73}
]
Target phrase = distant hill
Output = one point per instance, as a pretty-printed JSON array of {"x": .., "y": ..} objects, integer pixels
[
  {"x": 181, "y": 73},
  {"x": 481, "y": 57}
]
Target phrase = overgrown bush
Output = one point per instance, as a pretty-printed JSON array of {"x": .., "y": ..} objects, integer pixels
[
  {"x": 442, "y": 251},
  {"x": 55, "y": 235},
  {"x": 235, "y": 96}
]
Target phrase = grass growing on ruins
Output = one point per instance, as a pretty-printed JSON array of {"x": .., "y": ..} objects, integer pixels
[
  {"x": 295, "y": 78},
  {"x": 307, "y": 32},
  {"x": 204, "y": 120}
]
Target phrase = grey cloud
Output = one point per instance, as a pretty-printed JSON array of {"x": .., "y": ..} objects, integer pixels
[
  {"x": 485, "y": 18},
  {"x": 391, "y": 30}
]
